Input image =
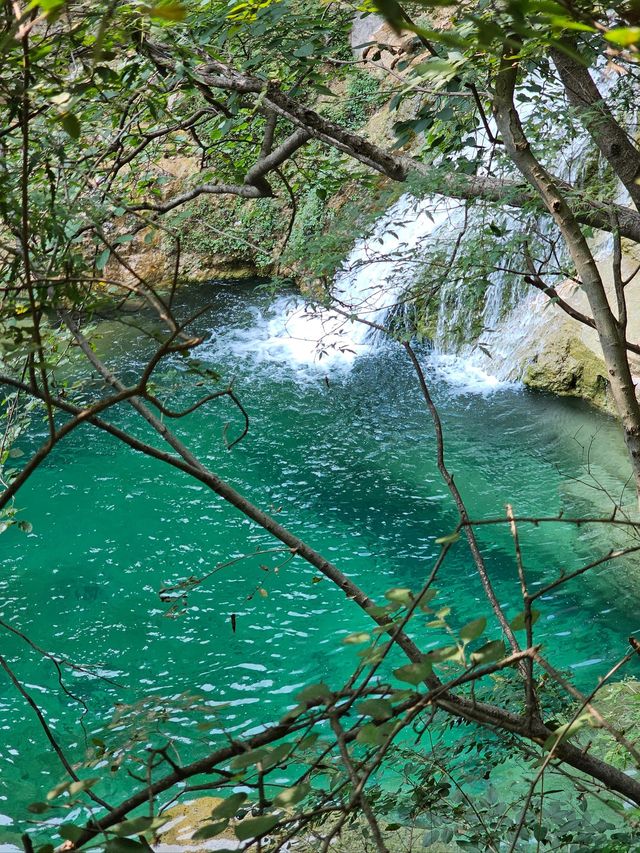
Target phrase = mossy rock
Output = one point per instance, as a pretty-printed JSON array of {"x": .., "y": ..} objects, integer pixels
[{"x": 570, "y": 369}]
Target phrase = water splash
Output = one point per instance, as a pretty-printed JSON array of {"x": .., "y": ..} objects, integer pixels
[{"x": 309, "y": 337}]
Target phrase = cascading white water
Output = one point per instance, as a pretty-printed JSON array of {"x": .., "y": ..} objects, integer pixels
[
  {"x": 516, "y": 320},
  {"x": 383, "y": 266},
  {"x": 378, "y": 269}
]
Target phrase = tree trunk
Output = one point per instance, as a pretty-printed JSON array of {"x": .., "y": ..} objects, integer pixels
[
  {"x": 610, "y": 332},
  {"x": 612, "y": 139}
]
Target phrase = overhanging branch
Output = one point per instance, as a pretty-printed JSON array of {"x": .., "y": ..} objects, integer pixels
[{"x": 397, "y": 167}]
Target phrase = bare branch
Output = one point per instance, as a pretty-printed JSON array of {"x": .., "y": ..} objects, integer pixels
[{"x": 45, "y": 727}]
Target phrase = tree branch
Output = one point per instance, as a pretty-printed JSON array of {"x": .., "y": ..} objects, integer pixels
[
  {"x": 597, "y": 118},
  {"x": 395, "y": 166}
]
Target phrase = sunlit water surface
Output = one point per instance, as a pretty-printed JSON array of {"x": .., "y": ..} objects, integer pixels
[{"x": 345, "y": 456}]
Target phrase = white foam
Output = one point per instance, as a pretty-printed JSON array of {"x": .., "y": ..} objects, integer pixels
[
  {"x": 465, "y": 376},
  {"x": 294, "y": 333},
  {"x": 379, "y": 268}
]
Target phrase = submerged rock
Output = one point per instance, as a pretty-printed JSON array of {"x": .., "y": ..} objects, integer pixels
[{"x": 183, "y": 820}]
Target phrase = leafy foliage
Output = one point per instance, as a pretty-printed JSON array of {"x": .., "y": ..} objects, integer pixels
[{"x": 96, "y": 102}]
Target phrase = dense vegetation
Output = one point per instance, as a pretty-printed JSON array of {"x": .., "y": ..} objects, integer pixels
[{"x": 271, "y": 110}]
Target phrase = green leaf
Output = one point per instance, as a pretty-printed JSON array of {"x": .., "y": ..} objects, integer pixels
[
  {"x": 472, "y": 630},
  {"x": 324, "y": 90},
  {"x": 293, "y": 713},
  {"x": 564, "y": 732},
  {"x": 229, "y": 806},
  {"x": 211, "y": 830},
  {"x": 319, "y": 692},
  {"x": 392, "y": 11},
  {"x": 569, "y": 24},
  {"x": 372, "y": 735},
  {"x": 251, "y": 827},
  {"x": 489, "y": 652},
  {"x": 379, "y": 709},
  {"x": 376, "y": 611},
  {"x": 49, "y": 5},
  {"x": 307, "y": 49},
  {"x": 275, "y": 756},
  {"x": 518, "y": 622},
  {"x": 71, "y": 124},
  {"x": 443, "y": 653},
  {"x": 308, "y": 741},
  {"x": 70, "y": 832},
  {"x": 291, "y": 796},
  {"x": 102, "y": 259},
  {"x": 247, "y": 759},
  {"x": 122, "y": 845},
  {"x": 428, "y": 596},
  {"x": 414, "y": 673},
  {"x": 137, "y": 825},
  {"x": 372, "y": 655}
]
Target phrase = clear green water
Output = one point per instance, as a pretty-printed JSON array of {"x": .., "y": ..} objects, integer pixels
[{"x": 349, "y": 465}]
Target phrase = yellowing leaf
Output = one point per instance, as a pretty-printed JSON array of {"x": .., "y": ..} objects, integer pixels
[
  {"x": 357, "y": 637},
  {"x": 399, "y": 595},
  {"x": 172, "y": 10},
  {"x": 624, "y": 36},
  {"x": 62, "y": 98},
  {"x": 472, "y": 630},
  {"x": 449, "y": 539},
  {"x": 489, "y": 652},
  {"x": 291, "y": 796},
  {"x": 564, "y": 732}
]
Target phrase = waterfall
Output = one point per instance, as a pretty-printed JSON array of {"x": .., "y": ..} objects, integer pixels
[
  {"x": 477, "y": 345},
  {"x": 310, "y": 337},
  {"x": 371, "y": 285},
  {"x": 515, "y": 322}
]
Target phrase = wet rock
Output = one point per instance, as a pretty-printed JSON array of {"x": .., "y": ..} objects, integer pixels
[{"x": 569, "y": 368}]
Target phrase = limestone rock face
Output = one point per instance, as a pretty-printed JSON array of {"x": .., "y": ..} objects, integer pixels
[
  {"x": 567, "y": 356},
  {"x": 375, "y": 41},
  {"x": 569, "y": 368},
  {"x": 537, "y": 343}
]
